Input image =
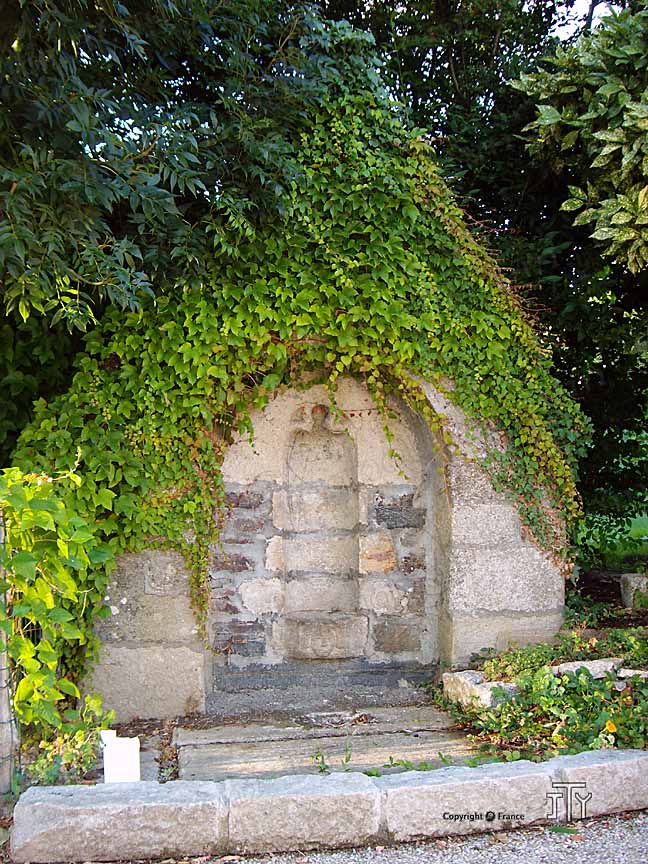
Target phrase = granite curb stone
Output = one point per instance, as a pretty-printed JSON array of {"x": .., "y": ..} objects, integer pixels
[
  {"x": 119, "y": 821},
  {"x": 302, "y": 812},
  {"x": 464, "y": 800},
  {"x": 190, "y": 818}
]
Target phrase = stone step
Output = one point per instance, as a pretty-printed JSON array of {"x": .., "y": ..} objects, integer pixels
[
  {"x": 364, "y": 721},
  {"x": 331, "y": 674},
  {"x": 251, "y": 705},
  {"x": 267, "y": 759},
  {"x": 383, "y": 739}
]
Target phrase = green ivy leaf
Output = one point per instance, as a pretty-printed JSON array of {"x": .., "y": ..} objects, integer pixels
[{"x": 24, "y": 564}]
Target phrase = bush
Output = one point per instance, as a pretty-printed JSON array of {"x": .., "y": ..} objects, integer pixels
[
  {"x": 53, "y": 589},
  {"x": 566, "y": 714},
  {"x": 69, "y": 755}
]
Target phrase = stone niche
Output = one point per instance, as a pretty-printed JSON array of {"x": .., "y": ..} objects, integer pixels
[{"x": 339, "y": 566}]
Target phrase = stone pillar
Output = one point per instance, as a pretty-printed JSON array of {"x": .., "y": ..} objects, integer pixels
[
  {"x": 501, "y": 589},
  {"x": 152, "y": 662}
]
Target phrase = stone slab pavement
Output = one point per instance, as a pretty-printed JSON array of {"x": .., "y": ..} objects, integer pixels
[{"x": 370, "y": 738}]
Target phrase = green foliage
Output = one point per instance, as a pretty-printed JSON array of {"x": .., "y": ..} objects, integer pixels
[
  {"x": 451, "y": 64},
  {"x": 593, "y": 120},
  {"x": 589, "y": 137},
  {"x": 142, "y": 110},
  {"x": 35, "y": 362},
  {"x": 319, "y": 758},
  {"x": 563, "y": 713},
  {"x": 582, "y": 612},
  {"x": 324, "y": 767},
  {"x": 566, "y": 714},
  {"x": 612, "y": 533},
  {"x": 53, "y": 588},
  {"x": 69, "y": 755},
  {"x": 129, "y": 134},
  {"x": 372, "y": 274},
  {"x": 604, "y": 538},
  {"x": 640, "y": 599},
  {"x": 631, "y": 644},
  {"x": 516, "y": 661},
  {"x": 408, "y": 765}
]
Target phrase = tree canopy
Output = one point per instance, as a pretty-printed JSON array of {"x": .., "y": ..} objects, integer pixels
[
  {"x": 454, "y": 66},
  {"x": 591, "y": 132},
  {"x": 131, "y": 137},
  {"x": 592, "y": 124}
]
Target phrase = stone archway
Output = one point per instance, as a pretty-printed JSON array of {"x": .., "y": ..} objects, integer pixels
[
  {"x": 340, "y": 566},
  {"x": 318, "y": 514}
]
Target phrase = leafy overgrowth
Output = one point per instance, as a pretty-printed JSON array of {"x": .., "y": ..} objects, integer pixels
[
  {"x": 451, "y": 64},
  {"x": 128, "y": 133},
  {"x": 593, "y": 119},
  {"x": 566, "y": 714},
  {"x": 372, "y": 274},
  {"x": 582, "y": 611},
  {"x": 35, "y": 362},
  {"x": 53, "y": 584},
  {"x": 631, "y": 644},
  {"x": 68, "y": 755}
]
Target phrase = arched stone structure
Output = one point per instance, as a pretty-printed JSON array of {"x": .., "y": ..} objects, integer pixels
[{"x": 338, "y": 564}]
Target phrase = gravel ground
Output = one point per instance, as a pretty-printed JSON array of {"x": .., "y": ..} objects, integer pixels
[{"x": 607, "y": 840}]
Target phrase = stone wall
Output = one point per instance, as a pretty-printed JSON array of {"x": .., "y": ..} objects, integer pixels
[
  {"x": 335, "y": 560},
  {"x": 324, "y": 551},
  {"x": 332, "y": 593},
  {"x": 499, "y": 587},
  {"x": 151, "y": 663}
]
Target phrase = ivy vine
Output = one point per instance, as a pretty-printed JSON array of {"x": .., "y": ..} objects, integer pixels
[
  {"x": 53, "y": 587},
  {"x": 372, "y": 273}
]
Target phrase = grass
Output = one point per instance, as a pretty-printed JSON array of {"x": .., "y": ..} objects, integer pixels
[{"x": 635, "y": 547}]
